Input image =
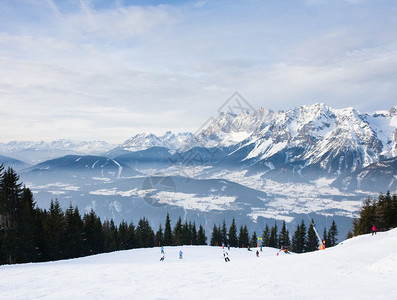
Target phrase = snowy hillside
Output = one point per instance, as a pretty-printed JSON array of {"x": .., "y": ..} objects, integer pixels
[{"x": 364, "y": 267}]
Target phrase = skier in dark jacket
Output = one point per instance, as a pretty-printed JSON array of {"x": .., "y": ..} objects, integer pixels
[{"x": 226, "y": 256}]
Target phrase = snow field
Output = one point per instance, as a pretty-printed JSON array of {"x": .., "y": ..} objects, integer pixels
[{"x": 361, "y": 268}]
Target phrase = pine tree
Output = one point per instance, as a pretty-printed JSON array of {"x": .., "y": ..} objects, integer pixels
[
  {"x": 284, "y": 237},
  {"x": 302, "y": 237},
  {"x": 72, "y": 245},
  {"x": 122, "y": 235},
  {"x": 254, "y": 240},
  {"x": 185, "y": 234},
  {"x": 144, "y": 234},
  {"x": 312, "y": 241},
  {"x": 215, "y": 237},
  {"x": 266, "y": 236},
  {"x": 299, "y": 238},
  {"x": 10, "y": 194},
  {"x": 177, "y": 236},
  {"x": 159, "y": 237},
  {"x": 223, "y": 234},
  {"x": 273, "y": 239},
  {"x": 193, "y": 233},
  {"x": 93, "y": 238},
  {"x": 394, "y": 211},
  {"x": 201, "y": 238},
  {"x": 233, "y": 240},
  {"x": 325, "y": 237},
  {"x": 367, "y": 218},
  {"x": 332, "y": 234},
  {"x": 130, "y": 238},
  {"x": 243, "y": 238},
  {"x": 25, "y": 243},
  {"x": 168, "y": 232},
  {"x": 54, "y": 227}
]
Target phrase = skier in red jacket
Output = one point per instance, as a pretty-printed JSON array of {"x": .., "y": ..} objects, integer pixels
[{"x": 373, "y": 230}]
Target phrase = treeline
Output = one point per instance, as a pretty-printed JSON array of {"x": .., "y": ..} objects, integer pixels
[
  {"x": 31, "y": 234},
  {"x": 303, "y": 240},
  {"x": 381, "y": 212}
]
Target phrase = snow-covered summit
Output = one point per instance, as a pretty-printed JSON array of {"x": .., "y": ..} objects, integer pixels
[
  {"x": 144, "y": 141},
  {"x": 334, "y": 139}
]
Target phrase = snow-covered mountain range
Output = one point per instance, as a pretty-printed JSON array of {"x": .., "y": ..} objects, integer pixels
[
  {"x": 33, "y": 152},
  {"x": 257, "y": 166}
]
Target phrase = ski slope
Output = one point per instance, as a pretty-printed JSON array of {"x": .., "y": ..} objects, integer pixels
[{"x": 364, "y": 267}]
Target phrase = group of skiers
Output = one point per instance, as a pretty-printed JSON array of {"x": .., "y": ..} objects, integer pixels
[
  {"x": 163, "y": 254},
  {"x": 226, "y": 254}
]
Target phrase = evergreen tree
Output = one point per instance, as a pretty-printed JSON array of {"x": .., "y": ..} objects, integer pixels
[
  {"x": 325, "y": 237},
  {"x": 233, "y": 240},
  {"x": 312, "y": 241},
  {"x": 72, "y": 245},
  {"x": 299, "y": 238},
  {"x": 284, "y": 237},
  {"x": 215, "y": 237},
  {"x": 177, "y": 236},
  {"x": 42, "y": 251},
  {"x": 243, "y": 238},
  {"x": 186, "y": 234},
  {"x": 93, "y": 238},
  {"x": 130, "y": 238},
  {"x": 144, "y": 234},
  {"x": 254, "y": 240},
  {"x": 332, "y": 235},
  {"x": 384, "y": 212},
  {"x": 201, "y": 238},
  {"x": 366, "y": 220},
  {"x": 394, "y": 211},
  {"x": 25, "y": 242},
  {"x": 266, "y": 236},
  {"x": 273, "y": 239},
  {"x": 193, "y": 233},
  {"x": 168, "y": 232},
  {"x": 223, "y": 234},
  {"x": 54, "y": 227},
  {"x": 122, "y": 235},
  {"x": 159, "y": 237},
  {"x": 10, "y": 194}
]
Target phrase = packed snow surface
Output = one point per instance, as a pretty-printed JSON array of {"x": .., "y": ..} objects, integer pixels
[{"x": 364, "y": 267}]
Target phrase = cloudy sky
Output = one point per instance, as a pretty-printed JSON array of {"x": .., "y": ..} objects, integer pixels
[{"x": 106, "y": 70}]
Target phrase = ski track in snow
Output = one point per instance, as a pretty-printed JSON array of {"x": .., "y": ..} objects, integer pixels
[
  {"x": 120, "y": 168},
  {"x": 364, "y": 267}
]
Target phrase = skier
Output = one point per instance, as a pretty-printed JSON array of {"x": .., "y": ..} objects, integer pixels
[
  {"x": 261, "y": 248},
  {"x": 373, "y": 230},
  {"x": 162, "y": 258},
  {"x": 228, "y": 247},
  {"x": 284, "y": 249},
  {"x": 226, "y": 256},
  {"x": 257, "y": 253},
  {"x": 180, "y": 254},
  {"x": 162, "y": 250}
]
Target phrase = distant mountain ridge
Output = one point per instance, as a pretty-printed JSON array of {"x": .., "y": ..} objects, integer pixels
[
  {"x": 34, "y": 152},
  {"x": 311, "y": 136},
  {"x": 257, "y": 166}
]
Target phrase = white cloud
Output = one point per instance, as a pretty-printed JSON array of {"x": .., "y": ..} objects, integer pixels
[{"x": 110, "y": 73}]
